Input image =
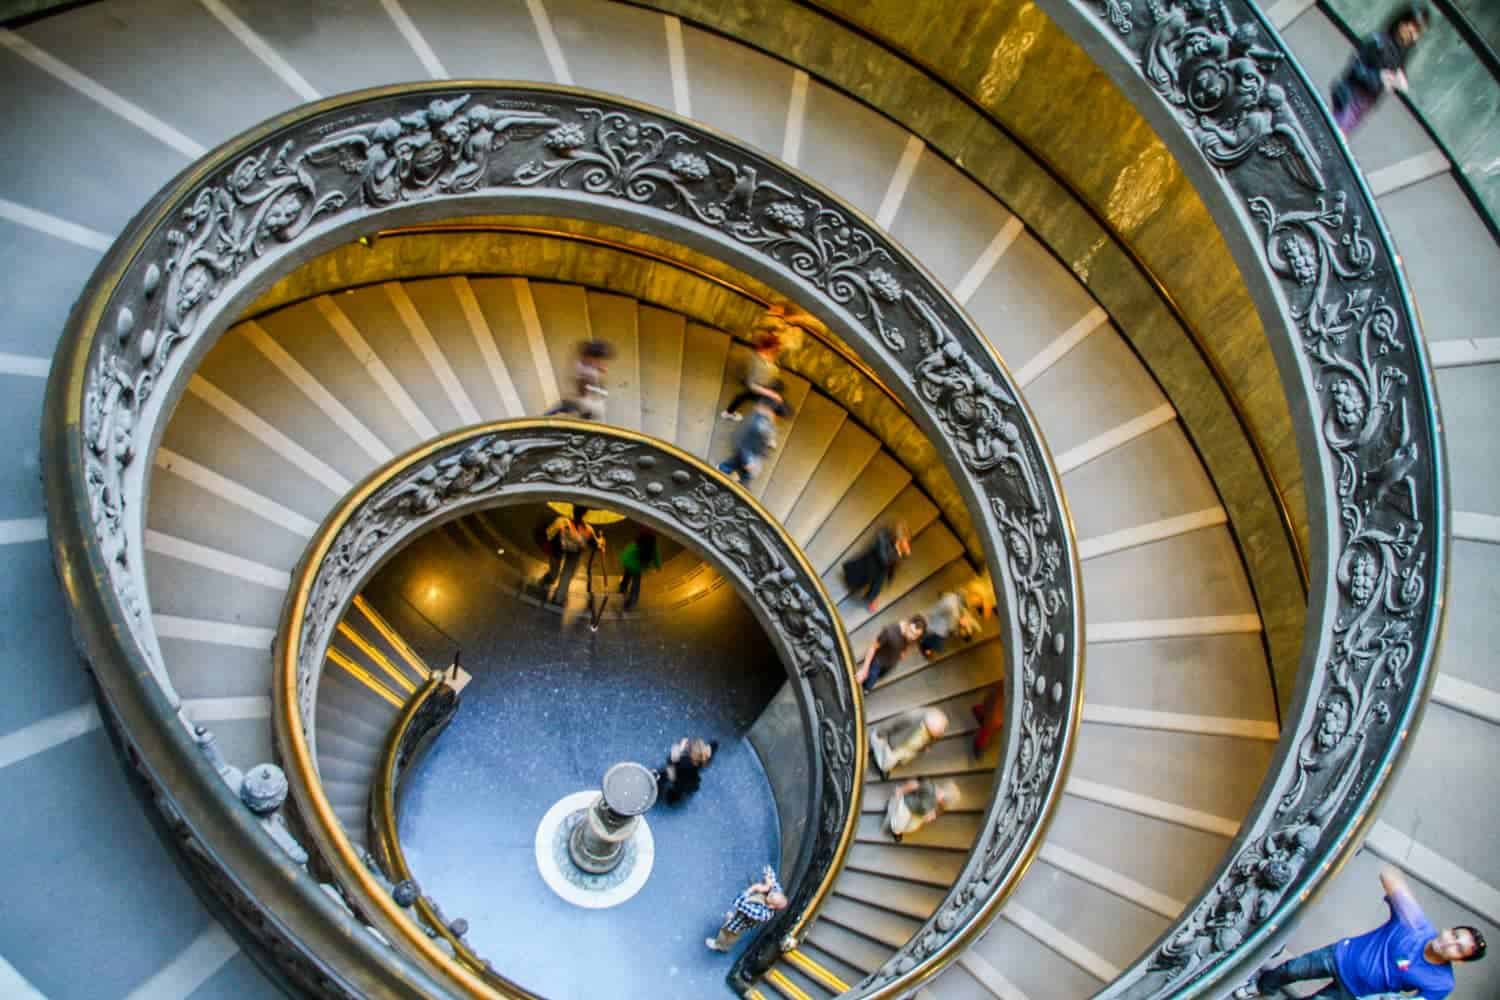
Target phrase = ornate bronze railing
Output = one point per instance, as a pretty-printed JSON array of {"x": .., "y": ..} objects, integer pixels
[
  {"x": 1252, "y": 132},
  {"x": 423, "y": 718},
  {"x": 209, "y": 244},
  {"x": 532, "y": 460}
]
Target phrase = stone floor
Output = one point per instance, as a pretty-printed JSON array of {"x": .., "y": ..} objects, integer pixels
[{"x": 551, "y": 706}]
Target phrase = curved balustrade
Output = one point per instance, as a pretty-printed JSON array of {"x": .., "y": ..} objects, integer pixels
[
  {"x": 1224, "y": 93},
  {"x": 315, "y": 177},
  {"x": 649, "y": 481},
  {"x": 421, "y": 721}
]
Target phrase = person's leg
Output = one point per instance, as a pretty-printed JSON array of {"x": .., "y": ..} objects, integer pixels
[
  {"x": 565, "y": 578},
  {"x": 633, "y": 592},
  {"x": 1319, "y": 964},
  {"x": 882, "y": 753},
  {"x": 932, "y": 644},
  {"x": 898, "y": 819},
  {"x": 739, "y": 465},
  {"x": 990, "y": 714},
  {"x": 877, "y": 583},
  {"x": 1355, "y": 107},
  {"x": 724, "y": 940},
  {"x": 857, "y": 572},
  {"x": 745, "y": 396},
  {"x": 554, "y": 564}
]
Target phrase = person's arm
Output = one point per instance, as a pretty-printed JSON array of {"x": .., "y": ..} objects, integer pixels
[{"x": 1398, "y": 895}]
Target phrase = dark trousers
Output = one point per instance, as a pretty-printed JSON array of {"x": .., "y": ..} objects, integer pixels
[
  {"x": 882, "y": 663},
  {"x": 1318, "y": 964},
  {"x": 745, "y": 396},
  {"x": 738, "y": 465},
  {"x": 866, "y": 572},
  {"x": 932, "y": 643},
  {"x": 630, "y": 586}
]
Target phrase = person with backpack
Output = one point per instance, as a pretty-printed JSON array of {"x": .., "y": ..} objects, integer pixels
[
  {"x": 918, "y": 802},
  {"x": 569, "y": 536}
]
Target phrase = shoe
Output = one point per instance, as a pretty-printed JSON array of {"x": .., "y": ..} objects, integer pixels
[
  {"x": 727, "y": 415},
  {"x": 712, "y": 945},
  {"x": 896, "y": 837},
  {"x": 1246, "y": 992}
]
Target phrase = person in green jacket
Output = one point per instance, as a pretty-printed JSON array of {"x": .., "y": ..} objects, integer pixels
[{"x": 639, "y": 556}]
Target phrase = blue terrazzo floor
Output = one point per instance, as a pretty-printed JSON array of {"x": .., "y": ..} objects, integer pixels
[{"x": 551, "y": 706}]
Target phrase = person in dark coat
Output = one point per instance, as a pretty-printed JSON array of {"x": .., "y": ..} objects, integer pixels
[
  {"x": 872, "y": 569},
  {"x": 1379, "y": 64},
  {"x": 568, "y": 537},
  {"x": 680, "y": 776}
]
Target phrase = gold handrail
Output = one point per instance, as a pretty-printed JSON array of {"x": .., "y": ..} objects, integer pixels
[
  {"x": 386, "y": 842},
  {"x": 317, "y": 811}
]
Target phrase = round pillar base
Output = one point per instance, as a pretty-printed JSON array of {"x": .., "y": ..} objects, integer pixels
[{"x": 587, "y": 889}]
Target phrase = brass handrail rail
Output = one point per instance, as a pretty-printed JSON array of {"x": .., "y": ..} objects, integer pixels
[{"x": 422, "y": 718}]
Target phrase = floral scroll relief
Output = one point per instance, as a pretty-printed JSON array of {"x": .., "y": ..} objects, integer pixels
[
  {"x": 263, "y": 202},
  {"x": 1211, "y": 60}
]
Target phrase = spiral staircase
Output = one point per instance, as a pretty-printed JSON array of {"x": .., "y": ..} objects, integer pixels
[{"x": 300, "y": 401}]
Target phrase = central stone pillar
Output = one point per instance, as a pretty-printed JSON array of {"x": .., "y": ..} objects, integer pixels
[{"x": 599, "y": 838}]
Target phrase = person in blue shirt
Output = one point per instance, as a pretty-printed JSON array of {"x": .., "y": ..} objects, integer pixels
[{"x": 1405, "y": 956}]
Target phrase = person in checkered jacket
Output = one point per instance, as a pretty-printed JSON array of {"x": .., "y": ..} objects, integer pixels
[{"x": 751, "y": 908}]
